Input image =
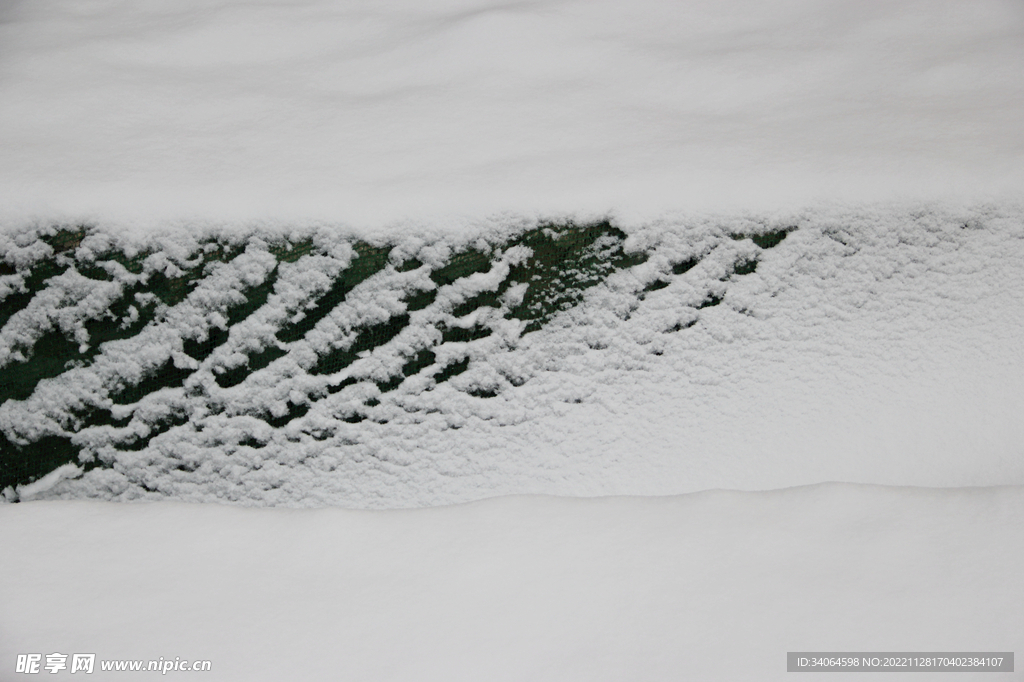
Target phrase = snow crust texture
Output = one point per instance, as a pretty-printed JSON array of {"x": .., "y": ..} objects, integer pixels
[{"x": 312, "y": 367}]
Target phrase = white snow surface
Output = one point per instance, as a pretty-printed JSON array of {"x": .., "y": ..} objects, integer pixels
[
  {"x": 870, "y": 345},
  {"x": 881, "y": 342},
  {"x": 710, "y": 586},
  {"x": 372, "y": 112}
]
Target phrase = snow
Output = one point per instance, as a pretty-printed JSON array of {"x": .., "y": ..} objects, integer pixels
[
  {"x": 870, "y": 345},
  {"x": 712, "y": 586},
  {"x": 857, "y": 395},
  {"x": 374, "y": 112}
]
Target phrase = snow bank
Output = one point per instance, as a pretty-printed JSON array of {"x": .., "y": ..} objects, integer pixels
[
  {"x": 373, "y": 111},
  {"x": 710, "y": 586}
]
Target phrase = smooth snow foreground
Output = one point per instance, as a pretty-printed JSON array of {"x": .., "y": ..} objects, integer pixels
[{"x": 708, "y": 586}]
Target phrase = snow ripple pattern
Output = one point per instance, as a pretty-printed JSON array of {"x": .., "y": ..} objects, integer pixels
[{"x": 264, "y": 369}]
